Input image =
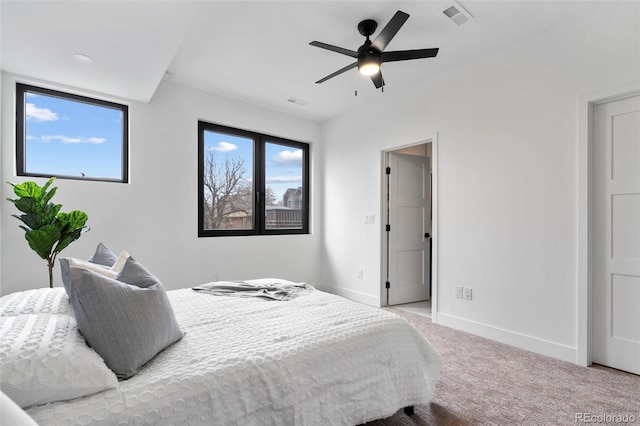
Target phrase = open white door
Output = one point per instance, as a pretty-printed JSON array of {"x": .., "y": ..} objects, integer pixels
[
  {"x": 409, "y": 228},
  {"x": 616, "y": 235}
]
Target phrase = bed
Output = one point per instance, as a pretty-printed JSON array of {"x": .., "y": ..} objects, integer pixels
[{"x": 316, "y": 359}]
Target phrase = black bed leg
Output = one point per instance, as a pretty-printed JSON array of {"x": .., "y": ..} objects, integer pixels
[{"x": 409, "y": 410}]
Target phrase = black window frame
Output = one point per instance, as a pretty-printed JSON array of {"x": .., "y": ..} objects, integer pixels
[
  {"x": 259, "y": 185},
  {"x": 21, "y": 122}
]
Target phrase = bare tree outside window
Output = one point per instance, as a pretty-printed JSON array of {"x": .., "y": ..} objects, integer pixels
[
  {"x": 250, "y": 183},
  {"x": 271, "y": 198},
  {"x": 228, "y": 194}
]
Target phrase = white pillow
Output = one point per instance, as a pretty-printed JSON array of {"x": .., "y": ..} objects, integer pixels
[
  {"x": 111, "y": 272},
  {"x": 43, "y": 358}
]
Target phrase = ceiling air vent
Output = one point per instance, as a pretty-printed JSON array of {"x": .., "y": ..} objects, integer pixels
[
  {"x": 297, "y": 101},
  {"x": 457, "y": 14}
]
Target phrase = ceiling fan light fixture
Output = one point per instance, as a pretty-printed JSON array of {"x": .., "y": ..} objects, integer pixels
[
  {"x": 371, "y": 54},
  {"x": 368, "y": 61},
  {"x": 369, "y": 68}
]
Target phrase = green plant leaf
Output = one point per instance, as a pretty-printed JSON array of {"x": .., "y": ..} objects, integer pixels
[
  {"x": 28, "y": 205},
  {"x": 32, "y": 220},
  {"x": 42, "y": 240},
  {"x": 50, "y": 213},
  {"x": 48, "y": 184},
  {"x": 49, "y": 195},
  {"x": 36, "y": 219},
  {"x": 62, "y": 220},
  {"x": 67, "y": 238},
  {"x": 77, "y": 219},
  {"x": 72, "y": 225},
  {"x": 28, "y": 189}
]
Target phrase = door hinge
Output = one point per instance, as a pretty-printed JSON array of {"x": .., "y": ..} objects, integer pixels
[
  {"x": 388, "y": 228},
  {"x": 387, "y": 284},
  {"x": 388, "y": 171}
]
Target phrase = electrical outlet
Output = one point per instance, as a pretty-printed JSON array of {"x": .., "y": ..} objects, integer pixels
[
  {"x": 360, "y": 274},
  {"x": 370, "y": 219},
  {"x": 458, "y": 290},
  {"x": 468, "y": 293}
]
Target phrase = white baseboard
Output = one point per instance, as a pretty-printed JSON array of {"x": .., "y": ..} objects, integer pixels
[
  {"x": 365, "y": 298},
  {"x": 522, "y": 341}
]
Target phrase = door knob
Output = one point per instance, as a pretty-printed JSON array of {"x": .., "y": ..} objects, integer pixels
[{"x": 427, "y": 235}]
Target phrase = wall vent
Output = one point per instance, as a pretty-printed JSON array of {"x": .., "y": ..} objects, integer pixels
[{"x": 457, "y": 14}]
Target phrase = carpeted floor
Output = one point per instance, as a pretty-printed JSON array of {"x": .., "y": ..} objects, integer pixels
[{"x": 483, "y": 382}]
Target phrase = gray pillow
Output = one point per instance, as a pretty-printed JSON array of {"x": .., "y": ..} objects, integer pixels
[
  {"x": 127, "y": 320},
  {"x": 134, "y": 273},
  {"x": 103, "y": 256}
]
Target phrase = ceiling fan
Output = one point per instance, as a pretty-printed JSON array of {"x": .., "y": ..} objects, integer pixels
[{"x": 371, "y": 54}]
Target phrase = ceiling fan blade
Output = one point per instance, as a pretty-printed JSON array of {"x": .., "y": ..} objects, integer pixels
[
  {"x": 390, "y": 30},
  {"x": 377, "y": 79},
  {"x": 336, "y": 49},
  {"x": 403, "y": 55},
  {"x": 340, "y": 71}
]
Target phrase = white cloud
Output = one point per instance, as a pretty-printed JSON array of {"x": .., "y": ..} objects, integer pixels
[
  {"x": 94, "y": 139},
  {"x": 288, "y": 157},
  {"x": 224, "y": 147},
  {"x": 66, "y": 139},
  {"x": 40, "y": 114},
  {"x": 284, "y": 179},
  {"x": 63, "y": 139}
]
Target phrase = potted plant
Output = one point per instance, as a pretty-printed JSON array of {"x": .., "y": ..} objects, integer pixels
[{"x": 47, "y": 229}]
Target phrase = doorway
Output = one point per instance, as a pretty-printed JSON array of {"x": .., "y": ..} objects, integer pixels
[
  {"x": 615, "y": 230},
  {"x": 409, "y": 244}
]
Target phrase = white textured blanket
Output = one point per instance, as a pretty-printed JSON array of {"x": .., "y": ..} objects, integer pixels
[{"x": 317, "y": 359}]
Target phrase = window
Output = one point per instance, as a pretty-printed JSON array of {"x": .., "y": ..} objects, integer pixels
[
  {"x": 70, "y": 136},
  {"x": 250, "y": 183}
]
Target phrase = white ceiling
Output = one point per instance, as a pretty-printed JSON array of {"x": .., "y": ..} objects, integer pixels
[{"x": 254, "y": 51}]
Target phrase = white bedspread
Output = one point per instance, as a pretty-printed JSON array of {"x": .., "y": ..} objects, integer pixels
[{"x": 318, "y": 359}]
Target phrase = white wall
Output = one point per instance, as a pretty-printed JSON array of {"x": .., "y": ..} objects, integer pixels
[
  {"x": 154, "y": 217},
  {"x": 507, "y": 140}
]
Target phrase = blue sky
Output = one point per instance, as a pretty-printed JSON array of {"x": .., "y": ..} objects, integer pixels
[
  {"x": 283, "y": 163},
  {"x": 69, "y": 138}
]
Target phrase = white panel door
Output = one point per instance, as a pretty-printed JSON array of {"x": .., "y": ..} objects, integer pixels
[
  {"x": 616, "y": 235},
  {"x": 409, "y": 217}
]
